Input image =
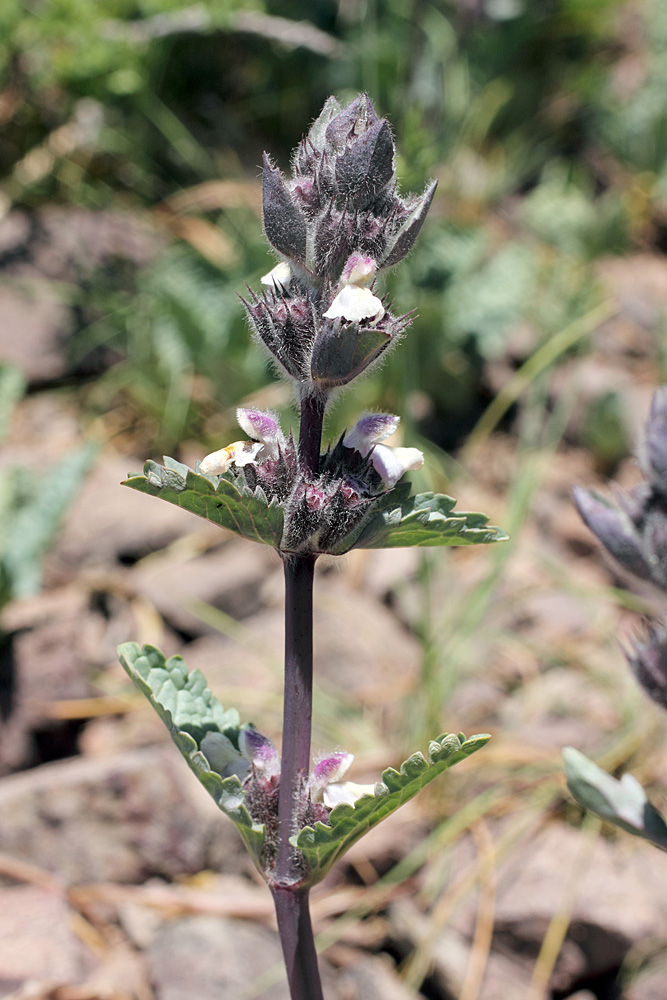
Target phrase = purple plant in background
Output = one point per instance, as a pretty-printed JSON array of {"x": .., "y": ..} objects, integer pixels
[
  {"x": 633, "y": 528},
  {"x": 335, "y": 224}
]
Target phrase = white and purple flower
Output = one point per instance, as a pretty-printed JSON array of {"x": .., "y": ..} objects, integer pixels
[
  {"x": 264, "y": 430},
  {"x": 389, "y": 463}
]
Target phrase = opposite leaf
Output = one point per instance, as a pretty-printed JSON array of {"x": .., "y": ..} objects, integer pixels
[
  {"x": 218, "y": 499},
  {"x": 191, "y": 714},
  {"x": 622, "y": 803},
  {"x": 426, "y": 519},
  {"x": 324, "y": 843}
]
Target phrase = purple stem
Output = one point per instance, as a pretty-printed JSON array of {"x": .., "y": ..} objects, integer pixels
[
  {"x": 296, "y": 936},
  {"x": 310, "y": 431},
  {"x": 297, "y": 705},
  {"x": 291, "y": 903}
]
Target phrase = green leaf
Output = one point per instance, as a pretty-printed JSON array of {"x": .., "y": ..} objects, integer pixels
[
  {"x": 621, "y": 802},
  {"x": 425, "y": 519},
  {"x": 12, "y": 386},
  {"x": 32, "y": 509},
  {"x": 190, "y": 712},
  {"x": 324, "y": 843},
  {"x": 217, "y": 498}
]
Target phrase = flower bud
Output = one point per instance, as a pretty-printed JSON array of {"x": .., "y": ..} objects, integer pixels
[
  {"x": 359, "y": 270},
  {"x": 615, "y": 530},
  {"x": 284, "y": 322},
  {"x": 648, "y": 661},
  {"x": 337, "y": 220},
  {"x": 656, "y": 442},
  {"x": 259, "y": 750},
  {"x": 349, "y": 123},
  {"x": 284, "y": 225},
  {"x": 367, "y": 165}
]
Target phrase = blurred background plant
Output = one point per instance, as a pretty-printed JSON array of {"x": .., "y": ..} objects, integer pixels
[{"x": 529, "y": 118}]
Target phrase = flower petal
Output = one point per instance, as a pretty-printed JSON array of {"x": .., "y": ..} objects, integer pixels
[
  {"x": 355, "y": 304},
  {"x": 278, "y": 277},
  {"x": 238, "y": 453},
  {"x": 259, "y": 750},
  {"x": 260, "y": 426},
  {"x": 391, "y": 463},
  {"x": 331, "y": 768},
  {"x": 359, "y": 270},
  {"x": 369, "y": 429},
  {"x": 347, "y": 792}
]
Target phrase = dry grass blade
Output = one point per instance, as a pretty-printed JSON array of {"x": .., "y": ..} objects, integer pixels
[
  {"x": 560, "y": 922},
  {"x": 481, "y": 944}
]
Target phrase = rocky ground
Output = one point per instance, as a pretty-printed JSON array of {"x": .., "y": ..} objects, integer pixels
[{"x": 118, "y": 877}]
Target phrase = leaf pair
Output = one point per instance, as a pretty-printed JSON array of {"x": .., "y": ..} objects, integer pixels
[
  {"x": 397, "y": 519},
  {"x": 190, "y": 712}
]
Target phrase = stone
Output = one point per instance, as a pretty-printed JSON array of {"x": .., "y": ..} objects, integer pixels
[
  {"x": 505, "y": 976},
  {"x": 371, "y": 978},
  {"x": 125, "y": 527},
  {"x": 618, "y": 901},
  {"x": 117, "y": 819},
  {"x": 229, "y": 578},
  {"x": 33, "y": 331},
  {"x": 37, "y": 942},
  {"x": 211, "y": 957}
]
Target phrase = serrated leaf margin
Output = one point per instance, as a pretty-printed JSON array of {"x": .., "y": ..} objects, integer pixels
[
  {"x": 227, "y": 793},
  {"x": 432, "y": 517},
  {"x": 324, "y": 843},
  {"x": 219, "y": 499}
]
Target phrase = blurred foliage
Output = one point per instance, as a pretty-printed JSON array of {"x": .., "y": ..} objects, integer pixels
[
  {"x": 32, "y": 506},
  {"x": 544, "y": 122}
]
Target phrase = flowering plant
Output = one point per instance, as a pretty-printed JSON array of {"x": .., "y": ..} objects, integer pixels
[{"x": 335, "y": 225}]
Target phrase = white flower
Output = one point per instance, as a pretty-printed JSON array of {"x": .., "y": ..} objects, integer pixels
[
  {"x": 354, "y": 303},
  {"x": 324, "y": 781},
  {"x": 279, "y": 276},
  {"x": 347, "y": 791},
  {"x": 238, "y": 453},
  {"x": 265, "y": 430},
  {"x": 391, "y": 463}
]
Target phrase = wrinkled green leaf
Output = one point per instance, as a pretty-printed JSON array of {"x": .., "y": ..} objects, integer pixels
[
  {"x": 217, "y": 498},
  {"x": 190, "y": 711},
  {"x": 425, "y": 519},
  {"x": 323, "y": 844},
  {"x": 621, "y": 802}
]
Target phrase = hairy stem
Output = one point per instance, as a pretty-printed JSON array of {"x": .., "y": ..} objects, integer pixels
[
  {"x": 291, "y": 903},
  {"x": 297, "y": 705},
  {"x": 310, "y": 432},
  {"x": 296, "y": 936}
]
